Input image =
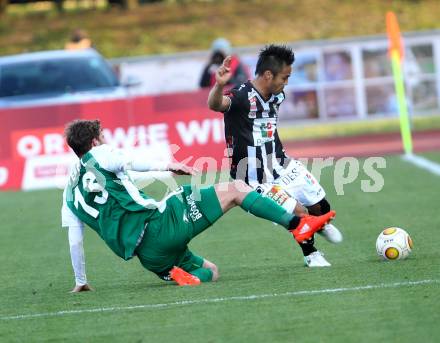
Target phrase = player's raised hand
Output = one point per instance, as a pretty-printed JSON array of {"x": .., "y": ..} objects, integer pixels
[
  {"x": 181, "y": 169},
  {"x": 82, "y": 288},
  {"x": 223, "y": 73}
]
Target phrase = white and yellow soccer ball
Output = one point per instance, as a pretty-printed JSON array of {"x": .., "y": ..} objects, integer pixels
[{"x": 394, "y": 244}]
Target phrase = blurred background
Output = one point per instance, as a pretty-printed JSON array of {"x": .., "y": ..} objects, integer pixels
[{"x": 151, "y": 67}]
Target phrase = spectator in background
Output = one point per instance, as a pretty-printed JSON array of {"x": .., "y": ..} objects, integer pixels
[
  {"x": 79, "y": 40},
  {"x": 220, "y": 49}
]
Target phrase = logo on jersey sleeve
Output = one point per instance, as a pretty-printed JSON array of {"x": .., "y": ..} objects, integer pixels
[{"x": 194, "y": 212}]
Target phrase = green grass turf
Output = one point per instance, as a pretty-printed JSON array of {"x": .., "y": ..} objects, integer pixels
[
  {"x": 433, "y": 156},
  {"x": 254, "y": 257}
]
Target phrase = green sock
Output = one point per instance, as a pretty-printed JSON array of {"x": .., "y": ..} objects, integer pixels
[
  {"x": 266, "y": 208},
  {"x": 204, "y": 274}
]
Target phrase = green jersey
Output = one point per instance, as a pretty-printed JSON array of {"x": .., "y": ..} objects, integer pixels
[{"x": 101, "y": 194}]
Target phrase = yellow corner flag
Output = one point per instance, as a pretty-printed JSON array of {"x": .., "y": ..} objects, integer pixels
[{"x": 396, "y": 54}]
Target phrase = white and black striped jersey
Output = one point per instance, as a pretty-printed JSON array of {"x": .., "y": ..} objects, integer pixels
[{"x": 257, "y": 155}]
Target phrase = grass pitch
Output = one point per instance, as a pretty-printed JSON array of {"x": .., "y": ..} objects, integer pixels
[{"x": 264, "y": 293}]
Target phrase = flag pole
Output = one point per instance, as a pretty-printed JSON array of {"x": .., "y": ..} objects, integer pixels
[{"x": 396, "y": 56}]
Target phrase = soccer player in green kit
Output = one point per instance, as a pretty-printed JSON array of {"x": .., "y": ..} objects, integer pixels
[{"x": 101, "y": 194}]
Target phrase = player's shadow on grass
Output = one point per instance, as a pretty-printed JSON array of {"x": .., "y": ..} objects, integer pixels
[{"x": 378, "y": 260}]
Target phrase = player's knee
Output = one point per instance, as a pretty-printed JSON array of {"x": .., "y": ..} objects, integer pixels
[
  {"x": 300, "y": 210},
  {"x": 240, "y": 186},
  {"x": 238, "y": 191}
]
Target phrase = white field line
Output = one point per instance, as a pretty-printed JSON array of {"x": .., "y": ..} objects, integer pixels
[
  {"x": 219, "y": 300},
  {"x": 423, "y": 163}
]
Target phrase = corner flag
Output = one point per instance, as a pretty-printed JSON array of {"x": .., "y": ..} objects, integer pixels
[{"x": 396, "y": 54}]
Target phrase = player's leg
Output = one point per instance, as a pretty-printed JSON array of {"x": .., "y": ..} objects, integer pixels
[
  {"x": 198, "y": 266},
  {"x": 301, "y": 184},
  {"x": 207, "y": 205},
  {"x": 291, "y": 205},
  {"x": 164, "y": 249},
  {"x": 298, "y": 182},
  {"x": 202, "y": 207},
  {"x": 174, "y": 264},
  {"x": 164, "y": 243},
  {"x": 237, "y": 193},
  {"x": 330, "y": 232},
  {"x": 281, "y": 197}
]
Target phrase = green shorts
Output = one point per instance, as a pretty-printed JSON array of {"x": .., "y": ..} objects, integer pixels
[{"x": 165, "y": 242}]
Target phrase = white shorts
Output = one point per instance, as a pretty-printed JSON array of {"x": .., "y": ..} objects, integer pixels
[{"x": 298, "y": 183}]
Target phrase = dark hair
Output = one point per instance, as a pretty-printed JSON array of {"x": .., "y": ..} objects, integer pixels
[
  {"x": 217, "y": 57},
  {"x": 78, "y": 35},
  {"x": 274, "y": 58},
  {"x": 80, "y": 134}
]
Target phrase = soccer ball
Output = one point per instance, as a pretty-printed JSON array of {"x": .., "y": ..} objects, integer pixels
[{"x": 394, "y": 244}]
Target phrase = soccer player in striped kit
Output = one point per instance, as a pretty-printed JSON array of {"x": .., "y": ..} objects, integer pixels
[{"x": 255, "y": 149}]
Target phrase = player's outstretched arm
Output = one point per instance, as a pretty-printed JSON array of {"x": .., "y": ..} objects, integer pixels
[
  {"x": 181, "y": 169},
  {"x": 143, "y": 165},
  {"x": 76, "y": 239},
  {"x": 81, "y": 288}
]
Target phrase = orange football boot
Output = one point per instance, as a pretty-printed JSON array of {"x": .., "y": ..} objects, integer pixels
[
  {"x": 183, "y": 278},
  {"x": 308, "y": 225}
]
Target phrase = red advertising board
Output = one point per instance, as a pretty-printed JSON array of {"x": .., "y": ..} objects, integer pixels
[{"x": 33, "y": 152}]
